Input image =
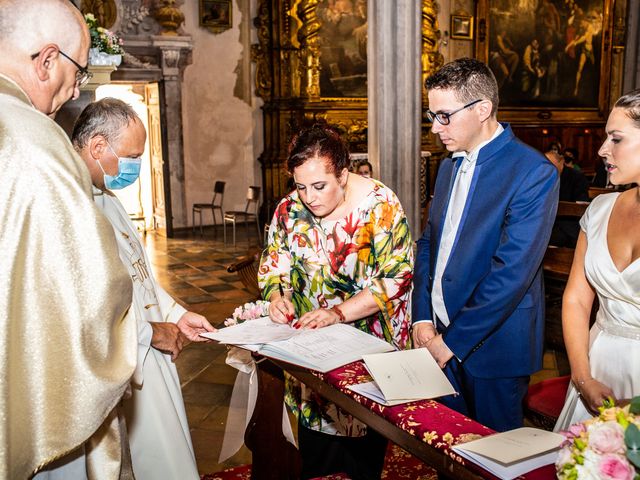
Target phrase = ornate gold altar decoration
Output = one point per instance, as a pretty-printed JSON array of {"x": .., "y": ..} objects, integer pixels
[
  {"x": 432, "y": 59},
  {"x": 288, "y": 79},
  {"x": 105, "y": 11},
  {"x": 169, "y": 16}
]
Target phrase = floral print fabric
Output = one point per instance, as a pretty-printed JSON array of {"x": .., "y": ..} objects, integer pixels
[{"x": 326, "y": 262}]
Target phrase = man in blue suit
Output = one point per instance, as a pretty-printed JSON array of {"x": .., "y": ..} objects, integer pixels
[{"x": 478, "y": 299}]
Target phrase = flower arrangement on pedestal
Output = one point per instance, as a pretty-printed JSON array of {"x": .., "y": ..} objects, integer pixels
[
  {"x": 106, "y": 46},
  {"x": 604, "y": 447}
]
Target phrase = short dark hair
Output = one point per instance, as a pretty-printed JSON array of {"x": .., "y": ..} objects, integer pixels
[
  {"x": 365, "y": 163},
  {"x": 319, "y": 140},
  {"x": 573, "y": 152},
  {"x": 469, "y": 79},
  {"x": 630, "y": 102},
  {"x": 107, "y": 117}
]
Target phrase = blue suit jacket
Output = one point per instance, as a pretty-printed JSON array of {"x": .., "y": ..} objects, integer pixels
[{"x": 492, "y": 283}]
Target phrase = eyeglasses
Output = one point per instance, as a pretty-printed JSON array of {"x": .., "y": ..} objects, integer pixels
[
  {"x": 445, "y": 118},
  {"x": 83, "y": 75}
]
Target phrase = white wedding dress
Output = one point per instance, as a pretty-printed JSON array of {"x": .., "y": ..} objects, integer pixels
[{"x": 614, "y": 353}]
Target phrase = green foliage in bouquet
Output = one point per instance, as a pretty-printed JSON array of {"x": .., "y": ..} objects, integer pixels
[{"x": 103, "y": 39}]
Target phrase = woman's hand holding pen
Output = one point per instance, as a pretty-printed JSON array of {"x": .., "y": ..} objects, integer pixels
[{"x": 281, "y": 309}]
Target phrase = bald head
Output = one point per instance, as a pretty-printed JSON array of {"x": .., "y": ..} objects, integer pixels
[
  {"x": 26, "y": 26},
  {"x": 32, "y": 35}
]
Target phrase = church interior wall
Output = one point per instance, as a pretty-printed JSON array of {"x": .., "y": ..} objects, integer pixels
[{"x": 222, "y": 116}]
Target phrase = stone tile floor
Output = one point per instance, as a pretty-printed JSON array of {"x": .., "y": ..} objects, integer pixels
[{"x": 192, "y": 268}]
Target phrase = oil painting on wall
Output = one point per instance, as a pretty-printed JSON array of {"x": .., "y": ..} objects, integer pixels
[
  {"x": 343, "y": 48},
  {"x": 547, "y": 53}
]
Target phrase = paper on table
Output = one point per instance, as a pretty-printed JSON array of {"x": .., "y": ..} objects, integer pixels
[
  {"x": 326, "y": 348},
  {"x": 408, "y": 375},
  {"x": 258, "y": 331},
  {"x": 513, "y": 453},
  {"x": 373, "y": 392}
]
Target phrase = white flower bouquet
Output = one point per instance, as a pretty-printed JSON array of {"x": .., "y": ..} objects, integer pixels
[{"x": 605, "y": 447}]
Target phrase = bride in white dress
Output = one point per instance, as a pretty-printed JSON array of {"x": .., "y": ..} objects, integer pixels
[{"x": 605, "y": 362}]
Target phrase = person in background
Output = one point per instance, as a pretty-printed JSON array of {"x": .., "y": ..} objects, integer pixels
[
  {"x": 571, "y": 158},
  {"x": 605, "y": 361},
  {"x": 68, "y": 345},
  {"x": 478, "y": 301},
  {"x": 364, "y": 169},
  {"x": 574, "y": 187},
  {"x": 341, "y": 251},
  {"x": 110, "y": 138}
]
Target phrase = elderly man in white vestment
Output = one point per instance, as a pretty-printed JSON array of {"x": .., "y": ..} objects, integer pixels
[
  {"x": 110, "y": 138},
  {"x": 67, "y": 344}
]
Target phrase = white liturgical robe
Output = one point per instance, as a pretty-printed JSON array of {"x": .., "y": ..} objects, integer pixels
[{"x": 156, "y": 420}]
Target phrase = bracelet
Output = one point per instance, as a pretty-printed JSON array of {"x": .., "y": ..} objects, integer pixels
[
  {"x": 340, "y": 314},
  {"x": 580, "y": 383}
]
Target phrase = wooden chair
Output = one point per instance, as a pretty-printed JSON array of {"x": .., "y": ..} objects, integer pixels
[
  {"x": 247, "y": 269},
  {"x": 216, "y": 204},
  {"x": 249, "y": 214}
]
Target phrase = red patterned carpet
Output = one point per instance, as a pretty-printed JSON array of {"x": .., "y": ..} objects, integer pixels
[{"x": 398, "y": 465}]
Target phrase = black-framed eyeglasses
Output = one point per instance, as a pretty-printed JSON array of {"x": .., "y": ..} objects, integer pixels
[
  {"x": 445, "y": 118},
  {"x": 83, "y": 75}
]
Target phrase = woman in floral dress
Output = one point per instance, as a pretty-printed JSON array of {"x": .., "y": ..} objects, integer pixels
[{"x": 340, "y": 248}]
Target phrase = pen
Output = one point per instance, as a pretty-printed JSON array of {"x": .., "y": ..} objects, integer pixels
[{"x": 290, "y": 317}]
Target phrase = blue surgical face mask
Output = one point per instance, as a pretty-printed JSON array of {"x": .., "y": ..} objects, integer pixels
[{"x": 128, "y": 172}]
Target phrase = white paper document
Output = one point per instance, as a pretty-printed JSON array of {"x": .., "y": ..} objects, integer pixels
[
  {"x": 404, "y": 376},
  {"x": 373, "y": 392},
  {"x": 260, "y": 330},
  {"x": 510, "y": 454},
  {"x": 320, "y": 349},
  {"x": 327, "y": 348}
]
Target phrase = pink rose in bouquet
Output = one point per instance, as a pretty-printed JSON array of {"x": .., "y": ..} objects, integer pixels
[
  {"x": 248, "y": 311},
  {"x": 604, "y": 447}
]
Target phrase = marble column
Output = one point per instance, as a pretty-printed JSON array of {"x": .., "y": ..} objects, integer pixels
[
  {"x": 394, "y": 92},
  {"x": 631, "y": 77},
  {"x": 175, "y": 54}
]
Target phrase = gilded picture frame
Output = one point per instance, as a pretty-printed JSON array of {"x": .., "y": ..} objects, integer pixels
[
  {"x": 551, "y": 58},
  {"x": 342, "y": 42},
  {"x": 215, "y": 15}
]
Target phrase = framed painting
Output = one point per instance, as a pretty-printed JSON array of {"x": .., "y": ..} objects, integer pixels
[
  {"x": 551, "y": 58},
  {"x": 342, "y": 42},
  {"x": 461, "y": 27},
  {"x": 215, "y": 15}
]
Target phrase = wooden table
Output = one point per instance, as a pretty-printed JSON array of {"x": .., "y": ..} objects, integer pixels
[{"x": 275, "y": 458}]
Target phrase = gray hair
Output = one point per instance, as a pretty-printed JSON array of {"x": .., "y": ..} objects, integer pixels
[
  {"x": 28, "y": 25},
  {"x": 107, "y": 117},
  {"x": 630, "y": 103}
]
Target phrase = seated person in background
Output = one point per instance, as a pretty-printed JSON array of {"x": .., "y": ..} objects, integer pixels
[
  {"x": 341, "y": 248},
  {"x": 574, "y": 187},
  {"x": 110, "y": 138},
  {"x": 364, "y": 169},
  {"x": 571, "y": 158},
  {"x": 605, "y": 362}
]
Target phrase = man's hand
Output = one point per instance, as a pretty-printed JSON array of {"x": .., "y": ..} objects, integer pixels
[
  {"x": 439, "y": 350},
  {"x": 422, "y": 333},
  {"x": 167, "y": 338},
  {"x": 191, "y": 325}
]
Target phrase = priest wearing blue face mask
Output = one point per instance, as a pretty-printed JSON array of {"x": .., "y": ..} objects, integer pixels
[{"x": 110, "y": 138}]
